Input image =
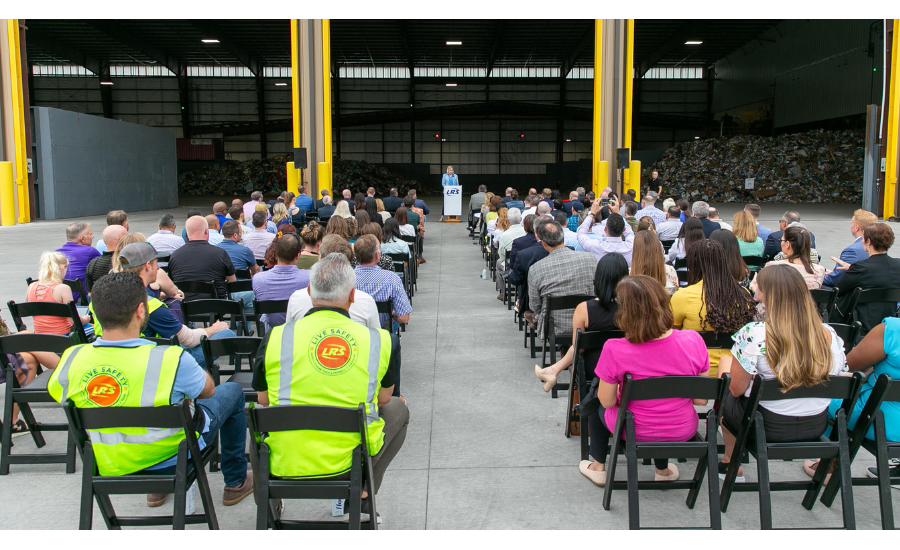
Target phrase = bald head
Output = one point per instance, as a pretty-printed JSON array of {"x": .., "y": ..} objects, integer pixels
[
  {"x": 346, "y": 193},
  {"x": 112, "y": 234},
  {"x": 212, "y": 222},
  {"x": 197, "y": 228},
  {"x": 219, "y": 208}
]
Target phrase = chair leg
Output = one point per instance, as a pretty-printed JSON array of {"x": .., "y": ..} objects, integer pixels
[
  {"x": 712, "y": 456},
  {"x": 634, "y": 512},
  {"x": 762, "y": 468},
  {"x": 180, "y": 506},
  {"x": 610, "y": 473},
  {"x": 884, "y": 476},
  {"x": 32, "y": 422},
  {"x": 262, "y": 505},
  {"x": 846, "y": 479},
  {"x": 86, "y": 517},
  {"x": 6, "y": 433},
  {"x": 209, "y": 508},
  {"x": 355, "y": 500},
  {"x": 70, "y": 452},
  {"x": 214, "y": 461}
]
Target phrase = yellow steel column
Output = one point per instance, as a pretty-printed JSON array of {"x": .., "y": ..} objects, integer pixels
[
  {"x": 18, "y": 116},
  {"x": 294, "y": 176},
  {"x": 325, "y": 167},
  {"x": 890, "y": 172},
  {"x": 7, "y": 194},
  {"x": 598, "y": 87},
  {"x": 629, "y": 97}
]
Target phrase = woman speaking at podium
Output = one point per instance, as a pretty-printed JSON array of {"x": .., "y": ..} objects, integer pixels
[{"x": 448, "y": 179}]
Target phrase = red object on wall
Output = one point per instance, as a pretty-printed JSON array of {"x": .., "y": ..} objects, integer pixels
[{"x": 199, "y": 149}]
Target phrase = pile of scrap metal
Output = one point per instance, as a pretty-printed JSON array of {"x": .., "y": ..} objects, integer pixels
[{"x": 815, "y": 166}]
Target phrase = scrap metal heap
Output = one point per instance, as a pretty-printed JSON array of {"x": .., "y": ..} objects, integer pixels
[
  {"x": 815, "y": 166},
  {"x": 268, "y": 176}
]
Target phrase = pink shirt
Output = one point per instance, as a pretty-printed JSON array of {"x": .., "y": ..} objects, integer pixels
[{"x": 682, "y": 353}]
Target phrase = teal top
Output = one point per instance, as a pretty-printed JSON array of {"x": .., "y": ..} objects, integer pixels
[{"x": 751, "y": 249}]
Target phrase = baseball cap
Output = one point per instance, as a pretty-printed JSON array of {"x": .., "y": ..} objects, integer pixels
[{"x": 136, "y": 254}]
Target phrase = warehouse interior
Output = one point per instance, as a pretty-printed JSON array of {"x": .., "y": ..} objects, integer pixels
[{"x": 508, "y": 102}]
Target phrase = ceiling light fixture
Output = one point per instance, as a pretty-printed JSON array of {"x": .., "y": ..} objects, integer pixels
[
  {"x": 693, "y": 43},
  {"x": 568, "y": 140},
  {"x": 281, "y": 83},
  {"x": 454, "y": 43},
  {"x": 105, "y": 83},
  {"x": 696, "y": 137},
  {"x": 209, "y": 41},
  {"x": 451, "y": 84}
]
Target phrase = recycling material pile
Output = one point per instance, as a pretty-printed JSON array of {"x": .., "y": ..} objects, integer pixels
[
  {"x": 815, "y": 166},
  {"x": 268, "y": 176}
]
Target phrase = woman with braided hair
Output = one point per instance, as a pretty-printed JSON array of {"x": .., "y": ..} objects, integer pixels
[{"x": 713, "y": 299}]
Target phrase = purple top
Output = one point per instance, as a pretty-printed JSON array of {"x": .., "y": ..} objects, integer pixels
[
  {"x": 278, "y": 283},
  {"x": 79, "y": 255}
]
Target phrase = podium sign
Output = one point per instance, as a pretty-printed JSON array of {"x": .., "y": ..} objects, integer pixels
[{"x": 453, "y": 200}]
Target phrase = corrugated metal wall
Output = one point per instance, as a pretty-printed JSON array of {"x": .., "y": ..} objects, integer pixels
[{"x": 805, "y": 70}]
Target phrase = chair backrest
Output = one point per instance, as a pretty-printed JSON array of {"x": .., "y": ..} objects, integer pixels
[
  {"x": 754, "y": 263},
  {"x": 17, "y": 343},
  {"x": 824, "y": 299},
  {"x": 261, "y": 263},
  {"x": 78, "y": 288},
  {"x": 163, "y": 256},
  {"x": 557, "y": 303},
  {"x": 667, "y": 245},
  {"x": 267, "y": 307},
  {"x": 172, "y": 341},
  {"x": 885, "y": 389},
  {"x": 238, "y": 347},
  {"x": 836, "y": 387},
  {"x": 594, "y": 339},
  {"x": 285, "y": 418},
  {"x": 242, "y": 273},
  {"x": 198, "y": 287},
  {"x": 716, "y": 340},
  {"x": 241, "y": 285},
  {"x": 871, "y": 295},
  {"x": 847, "y": 333},
  {"x": 206, "y": 307},
  {"x": 398, "y": 258},
  {"x": 51, "y": 309},
  {"x": 681, "y": 263},
  {"x": 671, "y": 387},
  {"x": 408, "y": 238}
]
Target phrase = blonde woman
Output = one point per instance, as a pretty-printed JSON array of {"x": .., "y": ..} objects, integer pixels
[
  {"x": 747, "y": 235},
  {"x": 379, "y": 207},
  {"x": 486, "y": 206},
  {"x": 280, "y": 215},
  {"x": 792, "y": 346},
  {"x": 50, "y": 288},
  {"x": 342, "y": 209},
  {"x": 163, "y": 287},
  {"x": 501, "y": 224}
]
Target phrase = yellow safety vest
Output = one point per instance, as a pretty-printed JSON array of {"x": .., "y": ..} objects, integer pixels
[
  {"x": 152, "y": 305},
  {"x": 106, "y": 376},
  {"x": 324, "y": 359}
]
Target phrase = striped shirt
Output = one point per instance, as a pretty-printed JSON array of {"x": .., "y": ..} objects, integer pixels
[{"x": 383, "y": 285}]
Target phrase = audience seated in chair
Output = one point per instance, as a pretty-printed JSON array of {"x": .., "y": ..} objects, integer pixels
[
  {"x": 691, "y": 231},
  {"x": 618, "y": 236},
  {"x": 733, "y": 258},
  {"x": 198, "y": 260},
  {"x": 877, "y": 271},
  {"x": 101, "y": 265},
  {"x": 792, "y": 346},
  {"x": 646, "y": 259},
  {"x": 747, "y": 234},
  {"x": 78, "y": 251},
  {"x": 651, "y": 347},
  {"x": 795, "y": 246},
  {"x": 280, "y": 282},
  {"x": 50, "y": 288}
]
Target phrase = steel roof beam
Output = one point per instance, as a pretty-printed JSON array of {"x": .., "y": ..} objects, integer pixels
[
  {"x": 587, "y": 39},
  {"x": 64, "y": 50},
  {"x": 690, "y": 29},
  {"x": 247, "y": 58},
  {"x": 499, "y": 29},
  {"x": 404, "y": 37},
  {"x": 135, "y": 41}
]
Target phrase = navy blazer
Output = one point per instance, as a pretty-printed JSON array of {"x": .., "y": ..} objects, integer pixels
[
  {"x": 852, "y": 254},
  {"x": 392, "y": 203},
  {"x": 708, "y": 226},
  {"x": 522, "y": 243},
  {"x": 524, "y": 260},
  {"x": 773, "y": 244}
]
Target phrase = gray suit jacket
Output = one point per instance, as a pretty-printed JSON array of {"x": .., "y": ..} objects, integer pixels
[
  {"x": 476, "y": 201},
  {"x": 564, "y": 272}
]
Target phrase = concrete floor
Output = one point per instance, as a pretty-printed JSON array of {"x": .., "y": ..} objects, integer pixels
[{"x": 485, "y": 448}]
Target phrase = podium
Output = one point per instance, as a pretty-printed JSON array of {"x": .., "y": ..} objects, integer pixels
[{"x": 452, "y": 203}]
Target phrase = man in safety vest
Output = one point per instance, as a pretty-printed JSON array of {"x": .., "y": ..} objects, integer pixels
[
  {"x": 325, "y": 358},
  {"x": 121, "y": 369},
  {"x": 140, "y": 258}
]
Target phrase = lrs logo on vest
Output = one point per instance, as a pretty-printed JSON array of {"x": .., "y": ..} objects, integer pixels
[
  {"x": 105, "y": 386},
  {"x": 332, "y": 351}
]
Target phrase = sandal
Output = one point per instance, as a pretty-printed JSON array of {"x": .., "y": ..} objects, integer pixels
[{"x": 20, "y": 428}]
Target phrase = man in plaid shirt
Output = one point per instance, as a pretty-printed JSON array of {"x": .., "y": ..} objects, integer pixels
[{"x": 563, "y": 273}]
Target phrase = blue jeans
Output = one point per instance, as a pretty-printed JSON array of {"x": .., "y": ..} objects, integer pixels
[
  {"x": 225, "y": 411},
  {"x": 246, "y": 298},
  {"x": 197, "y": 351}
]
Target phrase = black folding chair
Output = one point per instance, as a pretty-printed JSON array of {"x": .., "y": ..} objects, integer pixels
[
  {"x": 208, "y": 288},
  {"x": 208, "y": 311},
  {"x": 242, "y": 275},
  {"x": 402, "y": 271},
  {"x": 349, "y": 485},
  {"x": 238, "y": 349},
  {"x": 189, "y": 464},
  {"x": 173, "y": 341},
  {"x": 31, "y": 309},
  {"x": 414, "y": 256},
  {"x": 551, "y": 338},
  {"x": 754, "y": 264},
  {"x": 666, "y": 387},
  {"x": 824, "y": 299},
  {"x": 667, "y": 245},
  {"x": 681, "y": 271},
  {"x": 871, "y": 416},
  {"x": 576, "y": 423},
  {"x": 34, "y": 392},
  {"x": 845, "y": 388},
  {"x": 267, "y": 307},
  {"x": 888, "y": 297},
  {"x": 261, "y": 263},
  {"x": 848, "y": 333},
  {"x": 387, "y": 307}
]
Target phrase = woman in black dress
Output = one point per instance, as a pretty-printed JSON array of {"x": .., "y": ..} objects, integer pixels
[{"x": 593, "y": 315}]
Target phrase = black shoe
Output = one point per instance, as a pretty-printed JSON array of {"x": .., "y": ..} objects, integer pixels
[
  {"x": 894, "y": 472},
  {"x": 20, "y": 428}
]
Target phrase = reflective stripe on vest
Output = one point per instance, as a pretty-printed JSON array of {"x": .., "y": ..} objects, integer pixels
[
  {"x": 152, "y": 305},
  {"x": 107, "y": 376},
  {"x": 302, "y": 368}
]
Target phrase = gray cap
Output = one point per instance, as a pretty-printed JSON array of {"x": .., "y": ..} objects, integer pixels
[{"x": 136, "y": 254}]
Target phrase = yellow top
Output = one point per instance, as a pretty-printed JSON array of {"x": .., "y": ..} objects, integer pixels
[
  {"x": 688, "y": 307},
  {"x": 490, "y": 216}
]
